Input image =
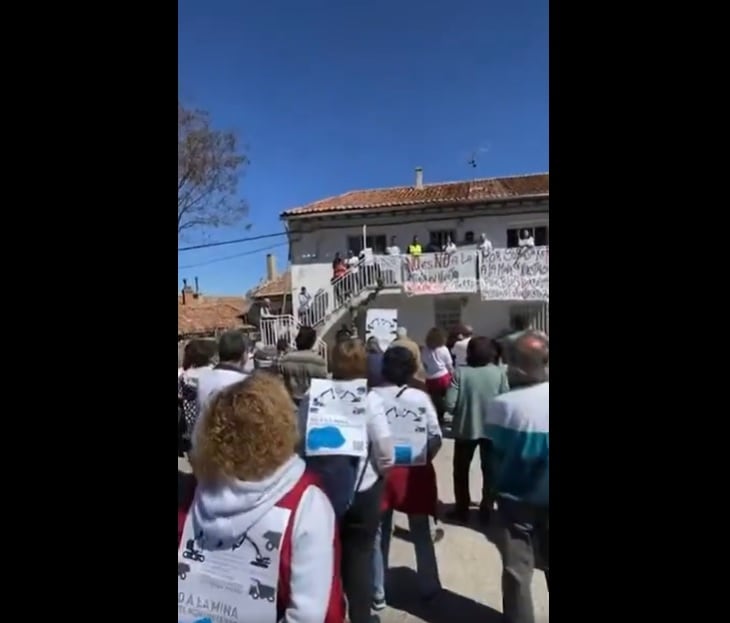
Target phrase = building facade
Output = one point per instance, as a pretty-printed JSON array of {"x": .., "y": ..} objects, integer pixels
[{"x": 463, "y": 286}]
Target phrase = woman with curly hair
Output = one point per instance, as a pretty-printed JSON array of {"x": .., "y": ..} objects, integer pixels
[{"x": 258, "y": 542}]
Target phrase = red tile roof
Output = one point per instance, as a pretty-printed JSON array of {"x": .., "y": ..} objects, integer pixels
[
  {"x": 207, "y": 314},
  {"x": 493, "y": 189},
  {"x": 276, "y": 287}
]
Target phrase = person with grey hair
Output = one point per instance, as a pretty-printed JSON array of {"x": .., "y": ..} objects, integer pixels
[
  {"x": 518, "y": 424},
  {"x": 402, "y": 339},
  {"x": 484, "y": 246}
]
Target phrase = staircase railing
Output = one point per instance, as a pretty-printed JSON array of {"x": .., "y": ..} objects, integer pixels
[
  {"x": 384, "y": 272},
  {"x": 273, "y": 328}
]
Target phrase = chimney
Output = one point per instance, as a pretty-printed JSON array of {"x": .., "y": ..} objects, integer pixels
[
  {"x": 419, "y": 178},
  {"x": 197, "y": 290},
  {"x": 270, "y": 267}
]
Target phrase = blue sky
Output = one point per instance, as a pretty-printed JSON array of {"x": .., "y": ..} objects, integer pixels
[{"x": 338, "y": 95}]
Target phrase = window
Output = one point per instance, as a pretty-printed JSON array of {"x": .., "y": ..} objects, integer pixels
[
  {"x": 469, "y": 237},
  {"x": 447, "y": 312},
  {"x": 540, "y": 234},
  {"x": 376, "y": 243},
  {"x": 438, "y": 238}
]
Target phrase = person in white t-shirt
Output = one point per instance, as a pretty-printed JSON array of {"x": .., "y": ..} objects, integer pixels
[
  {"x": 485, "y": 245},
  {"x": 393, "y": 249},
  {"x": 233, "y": 349},
  {"x": 459, "y": 349},
  {"x": 439, "y": 368},
  {"x": 526, "y": 239},
  {"x": 450, "y": 246}
]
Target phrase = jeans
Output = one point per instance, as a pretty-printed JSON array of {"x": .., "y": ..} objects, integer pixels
[
  {"x": 357, "y": 533},
  {"x": 426, "y": 565},
  {"x": 523, "y": 543},
  {"x": 463, "y": 454}
]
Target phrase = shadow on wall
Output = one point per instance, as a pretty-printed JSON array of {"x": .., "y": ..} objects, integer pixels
[{"x": 402, "y": 594}]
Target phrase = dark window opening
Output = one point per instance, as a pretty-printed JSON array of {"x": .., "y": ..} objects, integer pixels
[
  {"x": 539, "y": 234},
  {"x": 376, "y": 243}
]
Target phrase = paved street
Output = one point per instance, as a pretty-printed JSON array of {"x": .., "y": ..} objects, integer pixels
[{"x": 469, "y": 565}]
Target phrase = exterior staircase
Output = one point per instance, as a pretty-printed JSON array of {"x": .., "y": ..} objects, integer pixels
[{"x": 351, "y": 291}]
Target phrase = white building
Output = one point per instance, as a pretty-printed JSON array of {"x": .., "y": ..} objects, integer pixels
[{"x": 436, "y": 288}]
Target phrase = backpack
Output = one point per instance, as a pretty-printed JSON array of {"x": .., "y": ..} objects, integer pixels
[
  {"x": 187, "y": 411},
  {"x": 338, "y": 478}
]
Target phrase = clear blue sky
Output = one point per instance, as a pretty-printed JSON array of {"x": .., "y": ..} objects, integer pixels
[{"x": 337, "y": 95}]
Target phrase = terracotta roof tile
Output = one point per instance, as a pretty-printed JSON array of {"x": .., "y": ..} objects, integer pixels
[
  {"x": 492, "y": 189},
  {"x": 276, "y": 287},
  {"x": 207, "y": 314}
]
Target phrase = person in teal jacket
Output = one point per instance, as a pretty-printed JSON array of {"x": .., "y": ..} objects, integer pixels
[{"x": 472, "y": 387}]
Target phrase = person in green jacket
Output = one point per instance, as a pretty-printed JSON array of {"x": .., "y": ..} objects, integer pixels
[{"x": 472, "y": 387}]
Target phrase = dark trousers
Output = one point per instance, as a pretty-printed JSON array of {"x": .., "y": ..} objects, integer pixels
[
  {"x": 357, "y": 531},
  {"x": 523, "y": 535},
  {"x": 463, "y": 454}
]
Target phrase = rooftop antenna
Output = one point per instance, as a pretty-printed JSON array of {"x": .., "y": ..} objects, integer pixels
[{"x": 473, "y": 161}]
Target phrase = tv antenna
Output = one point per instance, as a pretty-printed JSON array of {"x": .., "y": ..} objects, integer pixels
[{"x": 473, "y": 158}]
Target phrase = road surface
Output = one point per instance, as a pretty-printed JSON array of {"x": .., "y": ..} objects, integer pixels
[{"x": 469, "y": 565}]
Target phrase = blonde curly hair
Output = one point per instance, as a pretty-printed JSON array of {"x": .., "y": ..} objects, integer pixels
[{"x": 248, "y": 432}]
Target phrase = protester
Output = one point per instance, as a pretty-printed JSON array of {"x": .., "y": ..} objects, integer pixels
[
  {"x": 464, "y": 334},
  {"x": 439, "y": 368},
  {"x": 518, "y": 423},
  {"x": 305, "y": 301},
  {"x": 299, "y": 367},
  {"x": 393, "y": 249},
  {"x": 409, "y": 489},
  {"x": 257, "y": 513},
  {"x": 526, "y": 238},
  {"x": 196, "y": 362},
  {"x": 232, "y": 354},
  {"x": 263, "y": 356},
  {"x": 485, "y": 245},
  {"x": 402, "y": 339},
  {"x": 339, "y": 270},
  {"x": 355, "y": 485},
  {"x": 450, "y": 246},
  {"x": 415, "y": 248},
  {"x": 375, "y": 362},
  {"x": 472, "y": 387}
]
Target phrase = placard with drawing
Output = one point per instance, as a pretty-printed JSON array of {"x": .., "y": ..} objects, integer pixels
[{"x": 337, "y": 418}]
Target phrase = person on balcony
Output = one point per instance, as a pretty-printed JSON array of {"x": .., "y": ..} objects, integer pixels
[
  {"x": 299, "y": 367},
  {"x": 305, "y": 301},
  {"x": 484, "y": 246},
  {"x": 526, "y": 239},
  {"x": 353, "y": 266},
  {"x": 265, "y": 311},
  {"x": 339, "y": 270},
  {"x": 415, "y": 248},
  {"x": 450, "y": 246},
  {"x": 393, "y": 249}
]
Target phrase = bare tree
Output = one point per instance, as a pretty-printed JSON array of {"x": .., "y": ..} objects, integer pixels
[{"x": 209, "y": 164}]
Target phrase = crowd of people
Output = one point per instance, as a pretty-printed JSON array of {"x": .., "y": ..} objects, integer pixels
[{"x": 319, "y": 527}]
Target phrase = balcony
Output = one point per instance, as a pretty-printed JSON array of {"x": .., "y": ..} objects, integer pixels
[{"x": 514, "y": 274}]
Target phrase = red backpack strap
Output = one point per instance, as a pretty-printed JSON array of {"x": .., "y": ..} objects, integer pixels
[{"x": 336, "y": 607}]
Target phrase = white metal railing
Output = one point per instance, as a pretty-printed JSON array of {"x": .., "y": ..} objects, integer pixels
[
  {"x": 273, "y": 328},
  {"x": 367, "y": 275}
]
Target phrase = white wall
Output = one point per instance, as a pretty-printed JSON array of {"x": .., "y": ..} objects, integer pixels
[
  {"x": 321, "y": 239},
  {"x": 314, "y": 277},
  {"x": 417, "y": 313}
]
